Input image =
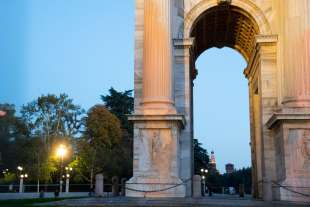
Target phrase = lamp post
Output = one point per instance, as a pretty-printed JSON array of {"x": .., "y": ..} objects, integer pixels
[
  {"x": 61, "y": 152},
  {"x": 21, "y": 178},
  {"x": 21, "y": 182},
  {"x": 203, "y": 176},
  {"x": 68, "y": 170}
]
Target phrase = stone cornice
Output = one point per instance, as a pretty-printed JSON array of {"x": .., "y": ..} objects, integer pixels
[
  {"x": 169, "y": 117},
  {"x": 261, "y": 39},
  {"x": 279, "y": 117},
  {"x": 183, "y": 43}
]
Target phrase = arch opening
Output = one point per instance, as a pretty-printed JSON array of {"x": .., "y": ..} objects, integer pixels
[
  {"x": 222, "y": 26},
  {"x": 226, "y": 107},
  {"x": 227, "y": 25}
]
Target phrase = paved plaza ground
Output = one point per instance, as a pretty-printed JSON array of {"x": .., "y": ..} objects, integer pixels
[
  {"x": 215, "y": 201},
  {"x": 11, "y": 196}
]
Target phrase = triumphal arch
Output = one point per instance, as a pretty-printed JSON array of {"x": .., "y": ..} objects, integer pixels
[{"x": 274, "y": 38}]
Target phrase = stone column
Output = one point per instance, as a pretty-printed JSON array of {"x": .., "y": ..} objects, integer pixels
[
  {"x": 296, "y": 40},
  {"x": 183, "y": 102},
  {"x": 157, "y": 70}
]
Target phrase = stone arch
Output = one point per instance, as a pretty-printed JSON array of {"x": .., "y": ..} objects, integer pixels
[{"x": 247, "y": 8}]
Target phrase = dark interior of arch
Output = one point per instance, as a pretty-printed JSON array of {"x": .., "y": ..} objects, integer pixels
[{"x": 224, "y": 26}]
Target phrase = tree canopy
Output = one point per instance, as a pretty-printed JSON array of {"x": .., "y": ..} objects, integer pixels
[{"x": 120, "y": 104}]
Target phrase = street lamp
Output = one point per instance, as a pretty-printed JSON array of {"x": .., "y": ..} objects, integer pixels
[
  {"x": 19, "y": 168},
  {"x": 5, "y": 171},
  {"x": 61, "y": 152},
  {"x": 204, "y": 177},
  {"x": 21, "y": 182},
  {"x": 68, "y": 170}
]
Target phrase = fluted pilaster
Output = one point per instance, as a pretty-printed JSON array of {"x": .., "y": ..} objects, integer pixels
[
  {"x": 296, "y": 36},
  {"x": 157, "y": 67}
]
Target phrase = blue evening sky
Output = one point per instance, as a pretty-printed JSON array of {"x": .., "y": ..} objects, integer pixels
[{"x": 84, "y": 47}]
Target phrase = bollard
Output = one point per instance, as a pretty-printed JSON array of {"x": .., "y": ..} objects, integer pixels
[
  {"x": 196, "y": 186},
  {"x": 11, "y": 188},
  {"x": 210, "y": 190},
  {"x": 241, "y": 190},
  {"x": 115, "y": 186},
  {"x": 99, "y": 189},
  {"x": 41, "y": 195},
  {"x": 123, "y": 183},
  {"x": 60, "y": 186}
]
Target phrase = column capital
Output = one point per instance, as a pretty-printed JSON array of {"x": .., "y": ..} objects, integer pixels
[{"x": 264, "y": 48}]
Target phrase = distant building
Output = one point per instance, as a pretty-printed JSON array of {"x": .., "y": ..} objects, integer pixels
[
  {"x": 229, "y": 168},
  {"x": 212, "y": 161}
]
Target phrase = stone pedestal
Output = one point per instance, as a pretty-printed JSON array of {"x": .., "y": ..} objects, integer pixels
[
  {"x": 292, "y": 142},
  {"x": 156, "y": 157},
  {"x": 99, "y": 185}
]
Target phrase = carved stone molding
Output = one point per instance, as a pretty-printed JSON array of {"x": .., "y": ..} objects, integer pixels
[
  {"x": 223, "y": 2},
  {"x": 183, "y": 43},
  {"x": 144, "y": 118},
  {"x": 280, "y": 117},
  {"x": 261, "y": 40}
]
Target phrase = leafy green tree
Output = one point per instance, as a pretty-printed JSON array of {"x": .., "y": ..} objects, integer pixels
[
  {"x": 52, "y": 116},
  {"x": 12, "y": 130},
  {"x": 120, "y": 104},
  {"x": 49, "y": 119},
  {"x": 98, "y": 150},
  {"x": 241, "y": 176},
  {"x": 201, "y": 157},
  {"x": 8, "y": 178}
]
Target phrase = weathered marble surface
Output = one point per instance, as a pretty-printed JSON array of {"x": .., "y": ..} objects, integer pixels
[{"x": 278, "y": 54}]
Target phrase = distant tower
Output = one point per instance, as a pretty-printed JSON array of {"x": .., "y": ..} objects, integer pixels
[
  {"x": 212, "y": 161},
  {"x": 229, "y": 168}
]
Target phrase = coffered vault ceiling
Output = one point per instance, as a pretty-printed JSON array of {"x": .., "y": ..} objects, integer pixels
[{"x": 225, "y": 26}]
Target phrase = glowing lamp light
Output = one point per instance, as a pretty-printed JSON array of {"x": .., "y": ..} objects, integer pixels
[
  {"x": 202, "y": 170},
  {"x": 68, "y": 175},
  {"x": 61, "y": 151},
  {"x": 20, "y": 168}
]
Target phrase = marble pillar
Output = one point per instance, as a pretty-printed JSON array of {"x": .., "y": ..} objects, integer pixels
[
  {"x": 157, "y": 57},
  {"x": 296, "y": 40},
  {"x": 157, "y": 126}
]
